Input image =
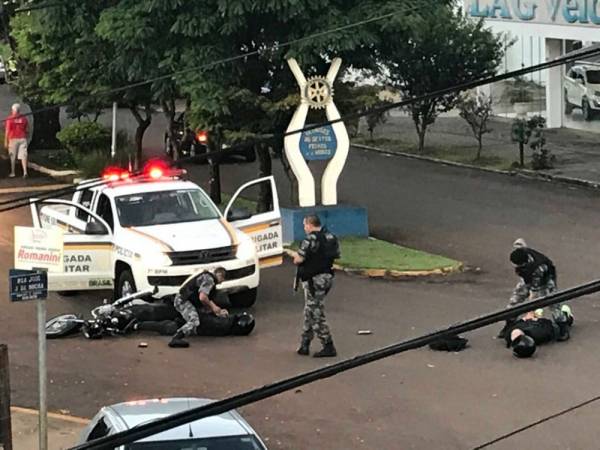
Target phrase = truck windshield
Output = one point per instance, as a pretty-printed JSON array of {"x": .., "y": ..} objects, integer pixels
[
  {"x": 163, "y": 207},
  {"x": 593, "y": 76}
]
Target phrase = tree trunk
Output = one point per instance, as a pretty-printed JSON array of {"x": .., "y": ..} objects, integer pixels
[
  {"x": 421, "y": 132},
  {"x": 214, "y": 181},
  {"x": 265, "y": 196},
  {"x": 479, "y": 145},
  {"x": 287, "y": 169},
  {"x": 522, "y": 154},
  {"x": 143, "y": 124},
  {"x": 169, "y": 111},
  {"x": 46, "y": 124}
]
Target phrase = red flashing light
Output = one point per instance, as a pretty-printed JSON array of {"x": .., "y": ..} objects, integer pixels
[
  {"x": 114, "y": 173},
  {"x": 202, "y": 136},
  {"x": 157, "y": 168},
  {"x": 155, "y": 172}
]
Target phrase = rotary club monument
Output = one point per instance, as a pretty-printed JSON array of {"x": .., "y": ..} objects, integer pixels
[{"x": 326, "y": 143}]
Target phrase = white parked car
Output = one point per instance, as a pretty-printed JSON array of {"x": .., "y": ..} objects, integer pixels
[
  {"x": 582, "y": 89},
  {"x": 133, "y": 234},
  {"x": 228, "y": 431}
]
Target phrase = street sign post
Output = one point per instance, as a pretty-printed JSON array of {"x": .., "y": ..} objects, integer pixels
[
  {"x": 27, "y": 285},
  {"x": 33, "y": 285}
]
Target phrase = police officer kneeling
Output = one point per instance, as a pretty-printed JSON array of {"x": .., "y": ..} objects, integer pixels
[
  {"x": 196, "y": 297},
  {"x": 315, "y": 260}
]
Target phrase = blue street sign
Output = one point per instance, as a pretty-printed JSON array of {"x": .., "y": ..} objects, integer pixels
[
  {"x": 27, "y": 285},
  {"x": 318, "y": 144}
]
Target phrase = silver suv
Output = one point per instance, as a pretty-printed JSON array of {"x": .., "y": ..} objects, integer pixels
[
  {"x": 582, "y": 89},
  {"x": 228, "y": 431}
]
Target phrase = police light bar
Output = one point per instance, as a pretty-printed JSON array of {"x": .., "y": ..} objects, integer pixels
[
  {"x": 115, "y": 173},
  {"x": 157, "y": 168}
]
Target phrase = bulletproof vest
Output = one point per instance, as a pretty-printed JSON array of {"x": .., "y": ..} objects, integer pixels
[
  {"x": 190, "y": 290},
  {"x": 526, "y": 271},
  {"x": 321, "y": 259}
]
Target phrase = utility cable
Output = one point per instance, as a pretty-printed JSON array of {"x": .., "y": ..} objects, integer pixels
[
  {"x": 538, "y": 422},
  {"x": 219, "y": 407},
  {"x": 579, "y": 55}
]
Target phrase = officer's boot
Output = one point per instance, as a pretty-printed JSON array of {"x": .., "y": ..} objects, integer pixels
[
  {"x": 563, "y": 331},
  {"x": 304, "y": 348},
  {"x": 327, "y": 351},
  {"x": 504, "y": 330},
  {"x": 178, "y": 341}
]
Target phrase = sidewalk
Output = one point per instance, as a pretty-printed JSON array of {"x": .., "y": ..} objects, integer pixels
[
  {"x": 63, "y": 431},
  {"x": 577, "y": 152},
  {"x": 35, "y": 182}
]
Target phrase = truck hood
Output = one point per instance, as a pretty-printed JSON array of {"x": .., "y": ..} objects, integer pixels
[{"x": 186, "y": 236}]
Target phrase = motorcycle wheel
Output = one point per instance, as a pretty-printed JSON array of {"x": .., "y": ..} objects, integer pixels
[{"x": 62, "y": 325}]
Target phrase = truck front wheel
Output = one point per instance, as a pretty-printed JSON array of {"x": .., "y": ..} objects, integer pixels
[
  {"x": 244, "y": 299},
  {"x": 125, "y": 284}
]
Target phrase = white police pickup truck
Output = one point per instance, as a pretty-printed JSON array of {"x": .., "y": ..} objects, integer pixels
[{"x": 157, "y": 230}]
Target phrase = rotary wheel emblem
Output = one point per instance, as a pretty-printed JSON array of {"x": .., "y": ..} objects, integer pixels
[{"x": 318, "y": 92}]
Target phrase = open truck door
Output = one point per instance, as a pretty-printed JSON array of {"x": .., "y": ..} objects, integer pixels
[
  {"x": 254, "y": 209},
  {"x": 88, "y": 243}
]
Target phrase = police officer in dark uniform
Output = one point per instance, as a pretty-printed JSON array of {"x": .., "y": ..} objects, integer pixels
[
  {"x": 196, "y": 297},
  {"x": 537, "y": 279},
  {"x": 315, "y": 260}
]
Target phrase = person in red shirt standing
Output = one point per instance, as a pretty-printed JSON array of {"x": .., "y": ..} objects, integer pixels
[{"x": 15, "y": 139}]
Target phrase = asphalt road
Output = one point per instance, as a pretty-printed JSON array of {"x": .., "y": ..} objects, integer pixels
[{"x": 421, "y": 399}]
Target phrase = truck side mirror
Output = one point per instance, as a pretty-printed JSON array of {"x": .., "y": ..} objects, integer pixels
[{"x": 95, "y": 228}]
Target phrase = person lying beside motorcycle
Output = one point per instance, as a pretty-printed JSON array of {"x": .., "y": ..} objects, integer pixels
[{"x": 525, "y": 334}]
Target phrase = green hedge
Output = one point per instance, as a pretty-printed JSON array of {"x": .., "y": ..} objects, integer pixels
[{"x": 84, "y": 137}]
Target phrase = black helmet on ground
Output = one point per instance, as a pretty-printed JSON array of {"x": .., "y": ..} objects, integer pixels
[
  {"x": 243, "y": 324},
  {"x": 523, "y": 346}
]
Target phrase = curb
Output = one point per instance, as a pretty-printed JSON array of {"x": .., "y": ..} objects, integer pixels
[
  {"x": 51, "y": 172},
  {"x": 525, "y": 173},
  {"x": 399, "y": 274},
  {"x": 40, "y": 188},
  {"x": 51, "y": 415}
]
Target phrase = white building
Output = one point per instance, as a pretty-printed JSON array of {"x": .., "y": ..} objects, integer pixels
[{"x": 543, "y": 30}]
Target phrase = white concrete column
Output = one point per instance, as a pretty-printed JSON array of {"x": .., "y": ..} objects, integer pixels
[{"x": 554, "y": 86}]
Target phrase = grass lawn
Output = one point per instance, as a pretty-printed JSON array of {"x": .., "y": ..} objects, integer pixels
[
  {"x": 53, "y": 159},
  {"x": 458, "y": 155},
  {"x": 360, "y": 253}
]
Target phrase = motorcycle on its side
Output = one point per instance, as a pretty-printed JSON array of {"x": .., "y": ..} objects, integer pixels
[{"x": 107, "y": 320}]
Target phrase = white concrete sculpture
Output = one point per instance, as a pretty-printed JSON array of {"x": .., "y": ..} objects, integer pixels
[{"x": 316, "y": 93}]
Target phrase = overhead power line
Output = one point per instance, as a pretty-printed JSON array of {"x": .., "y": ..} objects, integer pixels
[
  {"x": 274, "y": 48},
  {"x": 538, "y": 422},
  {"x": 219, "y": 407},
  {"x": 579, "y": 55}
]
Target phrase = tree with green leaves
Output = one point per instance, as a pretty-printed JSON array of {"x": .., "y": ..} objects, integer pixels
[
  {"x": 415, "y": 61},
  {"x": 65, "y": 59},
  {"x": 476, "y": 110}
]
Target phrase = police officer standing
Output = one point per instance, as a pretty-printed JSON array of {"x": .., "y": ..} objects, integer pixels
[
  {"x": 197, "y": 295},
  {"x": 315, "y": 269}
]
